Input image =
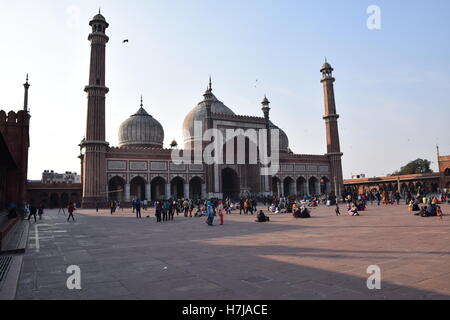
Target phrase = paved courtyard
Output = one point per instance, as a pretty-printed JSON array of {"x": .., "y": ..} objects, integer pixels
[{"x": 325, "y": 257}]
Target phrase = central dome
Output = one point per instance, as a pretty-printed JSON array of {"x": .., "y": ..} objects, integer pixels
[
  {"x": 141, "y": 130},
  {"x": 199, "y": 114}
]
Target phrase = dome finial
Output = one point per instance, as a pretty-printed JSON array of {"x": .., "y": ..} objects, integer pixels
[
  {"x": 142, "y": 101},
  {"x": 210, "y": 83}
]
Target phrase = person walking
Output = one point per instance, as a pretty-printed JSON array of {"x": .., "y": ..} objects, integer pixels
[
  {"x": 33, "y": 211},
  {"x": 158, "y": 209},
  {"x": 137, "y": 204},
  {"x": 338, "y": 213},
  {"x": 41, "y": 211},
  {"x": 220, "y": 209},
  {"x": 71, "y": 209},
  {"x": 210, "y": 213},
  {"x": 165, "y": 211}
]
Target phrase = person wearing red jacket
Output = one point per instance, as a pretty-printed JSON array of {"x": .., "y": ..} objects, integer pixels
[{"x": 71, "y": 209}]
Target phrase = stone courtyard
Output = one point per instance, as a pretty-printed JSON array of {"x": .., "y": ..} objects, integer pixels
[{"x": 325, "y": 257}]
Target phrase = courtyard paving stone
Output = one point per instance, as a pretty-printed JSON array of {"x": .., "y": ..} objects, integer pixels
[{"x": 325, "y": 257}]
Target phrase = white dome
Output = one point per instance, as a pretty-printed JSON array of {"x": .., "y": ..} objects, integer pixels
[{"x": 141, "y": 130}]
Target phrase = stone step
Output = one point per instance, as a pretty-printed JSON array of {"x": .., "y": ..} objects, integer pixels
[
  {"x": 17, "y": 238},
  {"x": 10, "y": 267}
]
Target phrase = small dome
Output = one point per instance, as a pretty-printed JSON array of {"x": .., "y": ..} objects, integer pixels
[
  {"x": 326, "y": 66},
  {"x": 284, "y": 140},
  {"x": 141, "y": 130},
  {"x": 99, "y": 17}
]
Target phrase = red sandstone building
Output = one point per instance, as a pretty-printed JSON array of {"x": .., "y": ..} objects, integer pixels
[
  {"x": 14, "y": 145},
  {"x": 141, "y": 168},
  {"x": 430, "y": 182}
]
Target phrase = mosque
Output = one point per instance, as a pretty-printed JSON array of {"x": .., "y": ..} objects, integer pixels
[{"x": 141, "y": 168}]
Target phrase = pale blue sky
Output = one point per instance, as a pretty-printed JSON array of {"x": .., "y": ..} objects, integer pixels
[{"x": 391, "y": 86}]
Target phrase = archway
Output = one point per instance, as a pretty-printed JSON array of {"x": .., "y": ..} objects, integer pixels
[
  {"x": 158, "y": 188},
  {"x": 137, "y": 188},
  {"x": 54, "y": 200},
  {"x": 64, "y": 200},
  {"x": 230, "y": 184},
  {"x": 447, "y": 186},
  {"x": 325, "y": 186},
  {"x": 195, "y": 188},
  {"x": 275, "y": 186},
  {"x": 177, "y": 188},
  {"x": 288, "y": 184},
  {"x": 301, "y": 182},
  {"x": 313, "y": 190},
  {"x": 74, "y": 198},
  {"x": 43, "y": 199},
  {"x": 116, "y": 189},
  {"x": 447, "y": 172}
]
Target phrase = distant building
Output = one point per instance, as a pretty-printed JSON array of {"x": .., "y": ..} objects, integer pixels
[
  {"x": 358, "y": 176},
  {"x": 422, "y": 182},
  {"x": 51, "y": 177}
]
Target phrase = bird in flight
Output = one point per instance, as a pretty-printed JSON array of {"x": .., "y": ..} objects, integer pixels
[{"x": 125, "y": 41}]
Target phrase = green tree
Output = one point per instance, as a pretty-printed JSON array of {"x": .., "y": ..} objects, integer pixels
[{"x": 416, "y": 166}]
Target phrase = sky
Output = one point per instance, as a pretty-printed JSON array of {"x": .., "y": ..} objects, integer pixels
[{"x": 391, "y": 87}]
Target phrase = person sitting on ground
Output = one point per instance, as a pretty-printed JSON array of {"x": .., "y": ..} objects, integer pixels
[
  {"x": 431, "y": 211},
  {"x": 422, "y": 212},
  {"x": 261, "y": 217},
  {"x": 353, "y": 211}
]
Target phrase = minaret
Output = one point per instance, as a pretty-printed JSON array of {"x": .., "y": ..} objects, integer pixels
[
  {"x": 94, "y": 181},
  {"x": 208, "y": 125},
  {"x": 26, "y": 85},
  {"x": 334, "y": 153},
  {"x": 268, "y": 188}
]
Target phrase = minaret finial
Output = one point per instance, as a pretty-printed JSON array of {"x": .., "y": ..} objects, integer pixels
[
  {"x": 27, "y": 77},
  {"x": 142, "y": 101},
  {"x": 99, "y": 10},
  {"x": 210, "y": 83},
  {"x": 437, "y": 148}
]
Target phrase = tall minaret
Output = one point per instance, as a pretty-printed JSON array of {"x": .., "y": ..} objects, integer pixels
[
  {"x": 334, "y": 153},
  {"x": 94, "y": 180},
  {"x": 26, "y": 85}
]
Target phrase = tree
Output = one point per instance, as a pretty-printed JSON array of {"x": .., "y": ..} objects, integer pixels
[{"x": 416, "y": 166}]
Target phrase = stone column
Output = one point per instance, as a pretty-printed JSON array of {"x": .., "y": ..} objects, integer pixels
[
  {"x": 203, "y": 196},
  {"x": 168, "y": 195},
  {"x": 148, "y": 192},
  {"x": 306, "y": 188},
  {"x": 294, "y": 188},
  {"x": 282, "y": 189},
  {"x": 266, "y": 184},
  {"x": 127, "y": 193},
  {"x": 186, "y": 190},
  {"x": 328, "y": 187},
  {"x": 318, "y": 188}
]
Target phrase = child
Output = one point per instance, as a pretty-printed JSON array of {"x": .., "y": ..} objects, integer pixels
[
  {"x": 338, "y": 213},
  {"x": 439, "y": 212}
]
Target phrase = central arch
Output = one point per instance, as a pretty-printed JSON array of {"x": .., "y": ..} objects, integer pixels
[{"x": 230, "y": 184}]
